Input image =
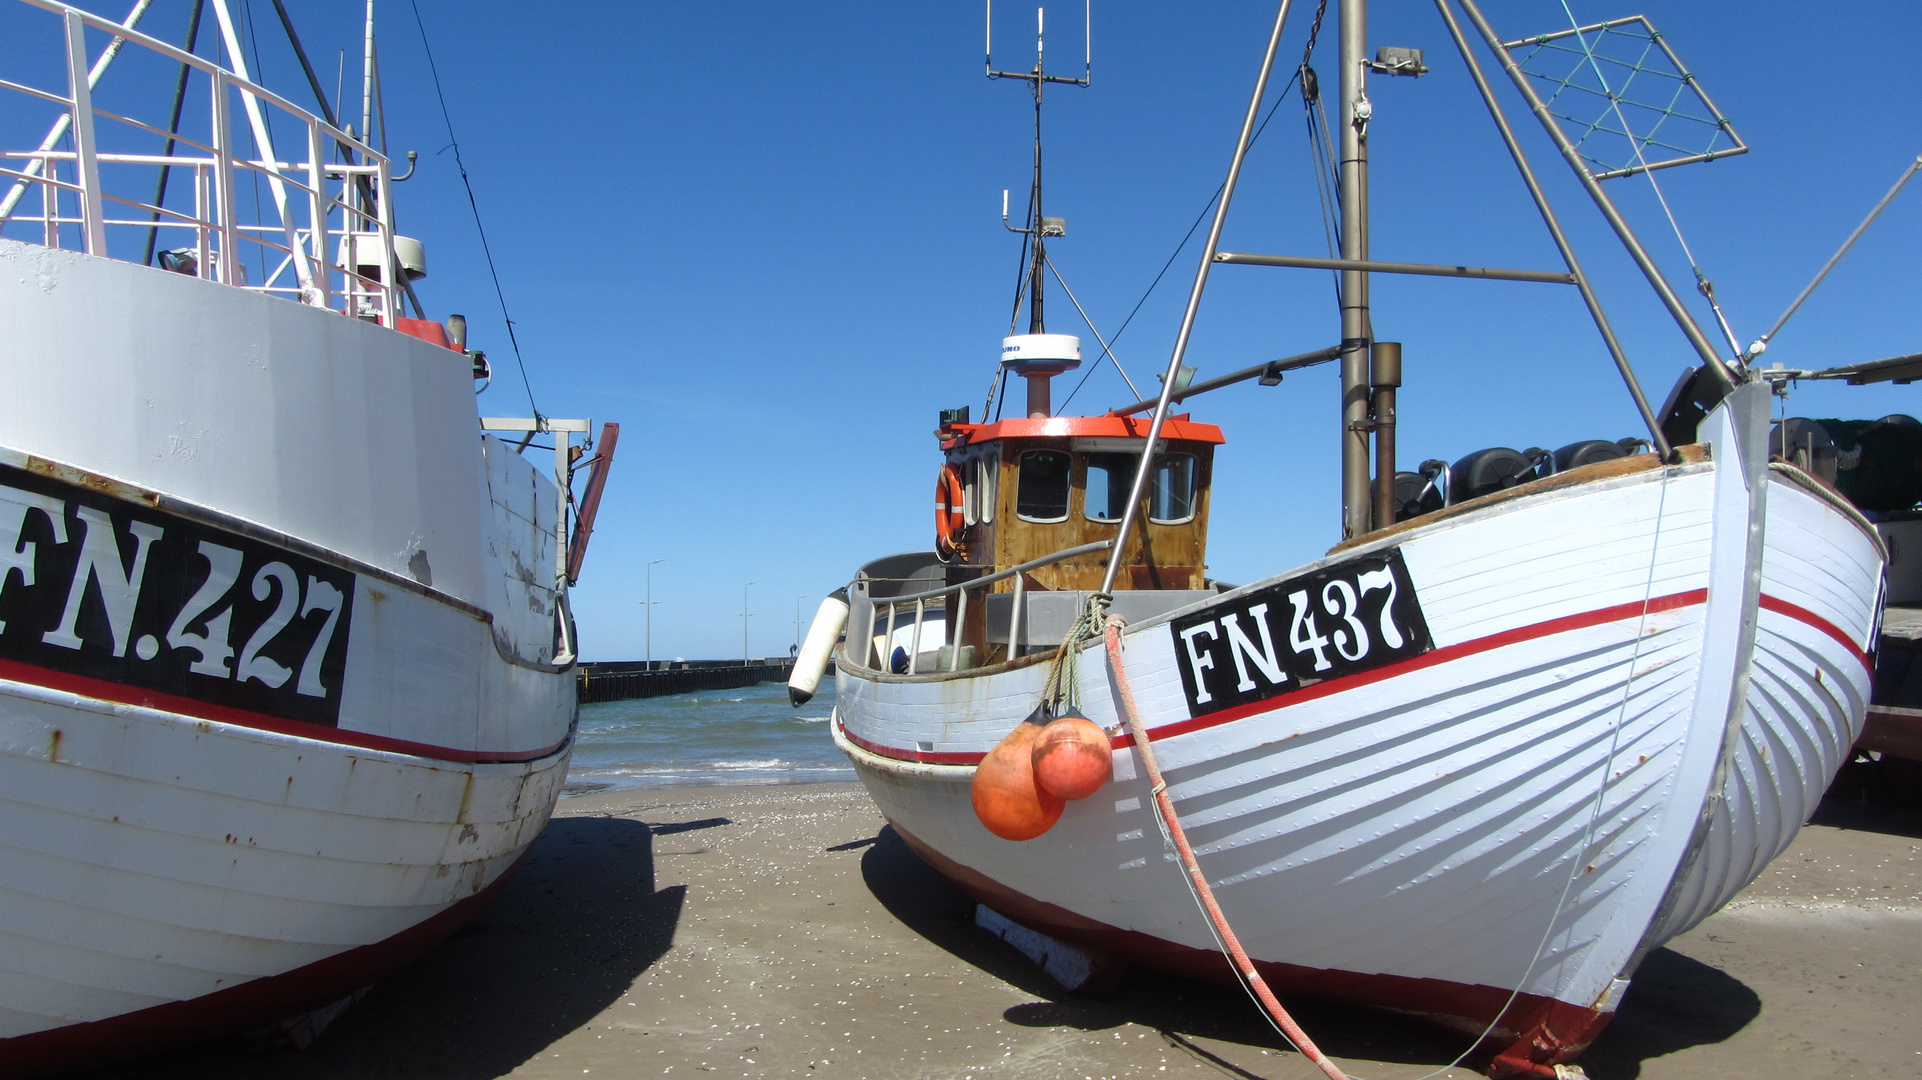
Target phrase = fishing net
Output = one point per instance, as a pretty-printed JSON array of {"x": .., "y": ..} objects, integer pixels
[{"x": 1623, "y": 98}]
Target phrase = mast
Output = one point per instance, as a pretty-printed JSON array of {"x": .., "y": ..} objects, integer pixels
[
  {"x": 1037, "y": 226},
  {"x": 1037, "y": 324},
  {"x": 1356, "y": 332}
]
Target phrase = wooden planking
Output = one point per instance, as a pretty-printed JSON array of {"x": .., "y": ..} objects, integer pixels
[{"x": 1154, "y": 557}]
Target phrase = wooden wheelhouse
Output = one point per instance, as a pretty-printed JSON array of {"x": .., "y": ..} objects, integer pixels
[{"x": 1031, "y": 487}]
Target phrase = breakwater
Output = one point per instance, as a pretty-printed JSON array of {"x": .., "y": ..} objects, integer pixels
[{"x": 625, "y": 679}]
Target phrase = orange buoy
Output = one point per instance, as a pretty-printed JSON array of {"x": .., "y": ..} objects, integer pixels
[
  {"x": 1006, "y": 798},
  {"x": 1072, "y": 757}
]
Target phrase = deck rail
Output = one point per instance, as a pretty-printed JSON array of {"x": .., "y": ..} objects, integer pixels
[
  {"x": 325, "y": 224},
  {"x": 960, "y": 592}
]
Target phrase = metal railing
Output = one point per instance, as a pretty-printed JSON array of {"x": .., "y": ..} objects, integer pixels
[
  {"x": 325, "y": 221},
  {"x": 960, "y": 592}
]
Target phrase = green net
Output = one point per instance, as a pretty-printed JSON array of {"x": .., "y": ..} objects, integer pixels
[{"x": 1622, "y": 96}]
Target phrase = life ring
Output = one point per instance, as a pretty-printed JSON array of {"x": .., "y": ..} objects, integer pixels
[{"x": 949, "y": 521}]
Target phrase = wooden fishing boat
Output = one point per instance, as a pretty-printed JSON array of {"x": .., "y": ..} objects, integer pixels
[
  {"x": 1474, "y": 765},
  {"x": 285, "y": 662}
]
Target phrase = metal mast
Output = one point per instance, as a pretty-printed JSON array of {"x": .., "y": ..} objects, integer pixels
[
  {"x": 1356, "y": 332},
  {"x": 1037, "y": 226}
]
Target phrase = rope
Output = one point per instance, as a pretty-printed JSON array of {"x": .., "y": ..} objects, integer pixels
[
  {"x": 1197, "y": 881},
  {"x": 1175, "y": 837},
  {"x": 1063, "y": 685},
  {"x": 474, "y": 205},
  {"x": 1702, "y": 284}
]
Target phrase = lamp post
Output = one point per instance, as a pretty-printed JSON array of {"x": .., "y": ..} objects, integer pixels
[
  {"x": 650, "y": 613},
  {"x": 744, "y": 617},
  {"x": 797, "y": 623}
]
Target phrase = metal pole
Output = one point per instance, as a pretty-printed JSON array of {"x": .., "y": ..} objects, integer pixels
[
  {"x": 61, "y": 125},
  {"x": 1355, "y": 328},
  {"x": 1762, "y": 342},
  {"x": 1614, "y": 217},
  {"x": 744, "y": 617},
  {"x": 1555, "y": 230},
  {"x": 650, "y": 613},
  {"x": 1129, "y": 513}
]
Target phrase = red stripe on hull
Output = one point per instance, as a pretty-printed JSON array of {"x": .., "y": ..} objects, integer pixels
[
  {"x": 1802, "y": 614},
  {"x": 259, "y": 1001},
  {"x": 122, "y": 694},
  {"x": 1533, "y": 1033},
  {"x": 1582, "y": 621},
  {"x": 1430, "y": 659}
]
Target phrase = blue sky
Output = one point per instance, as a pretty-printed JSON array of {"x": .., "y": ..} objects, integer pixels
[{"x": 765, "y": 239}]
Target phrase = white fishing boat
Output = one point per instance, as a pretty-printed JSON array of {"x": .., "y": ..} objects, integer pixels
[
  {"x": 1532, "y": 716},
  {"x": 285, "y": 658}
]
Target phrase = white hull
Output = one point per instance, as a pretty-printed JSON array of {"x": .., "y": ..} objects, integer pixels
[
  {"x": 312, "y": 710},
  {"x": 1523, "y": 808}
]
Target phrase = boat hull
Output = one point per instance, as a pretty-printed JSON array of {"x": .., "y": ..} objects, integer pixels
[
  {"x": 284, "y": 692},
  {"x": 169, "y": 878},
  {"x": 1630, "y": 689}
]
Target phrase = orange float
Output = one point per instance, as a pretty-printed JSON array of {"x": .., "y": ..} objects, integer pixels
[
  {"x": 1006, "y": 798},
  {"x": 1072, "y": 757}
]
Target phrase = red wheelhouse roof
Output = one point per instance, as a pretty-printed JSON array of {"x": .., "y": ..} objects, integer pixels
[{"x": 1061, "y": 427}]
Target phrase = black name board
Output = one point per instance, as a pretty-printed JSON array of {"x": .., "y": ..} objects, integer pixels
[
  {"x": 1280, "y": 639},
  {"x": 95, "y": 586}
]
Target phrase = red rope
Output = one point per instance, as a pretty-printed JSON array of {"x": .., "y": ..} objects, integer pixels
[{"x": 1203, "y": 892}]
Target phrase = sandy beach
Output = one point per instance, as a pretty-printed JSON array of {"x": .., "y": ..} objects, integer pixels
[{"x": 784, "y": 931}]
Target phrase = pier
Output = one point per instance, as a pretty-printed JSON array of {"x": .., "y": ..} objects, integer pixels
[{"x": 625, "y": 679}]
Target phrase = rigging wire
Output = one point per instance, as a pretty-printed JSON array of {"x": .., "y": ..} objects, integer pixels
[
  {"x": 1105, "y": 350},
  {"x": 173, "y": 129},
  {"x": 473, "y": 204},
  {"x": 1702, "y": 284},
  {"x": 1314, "y": 33},
  {"x": 1020, "y": 290}
]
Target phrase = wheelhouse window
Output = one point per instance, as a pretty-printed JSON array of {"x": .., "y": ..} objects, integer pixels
[
  {"x": 1041, "y": 491},
  {"x": 1171, "y": 492},
  {"x": 1110, "y": 477}
]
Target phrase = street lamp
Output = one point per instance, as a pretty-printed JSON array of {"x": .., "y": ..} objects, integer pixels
[
  {"x": 797, "y": 623},
  {"x": 650, "y": 613},
  {"x": 744, "y": 616}
]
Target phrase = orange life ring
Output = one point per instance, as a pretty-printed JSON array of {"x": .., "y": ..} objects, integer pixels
[{"x": 949, "y": 521}]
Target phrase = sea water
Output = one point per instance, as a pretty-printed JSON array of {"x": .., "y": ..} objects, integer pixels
[{"x": 749, "y": 735}]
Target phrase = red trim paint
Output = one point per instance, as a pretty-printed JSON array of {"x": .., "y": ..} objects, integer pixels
[
  {"x": 1802, "y": 614},
  {"x": 427, "y": 330},
  {"x": 1534, "y": 1030},
  {"x": 121, "y": 693},
  {"x": 1334, "y": 686},
  {"x": 1063, "y": 427},
  {"x": 236, "y": 1008},
  {"x": 1565, "y": 624},
  {"x": 1582, "y": 621}
]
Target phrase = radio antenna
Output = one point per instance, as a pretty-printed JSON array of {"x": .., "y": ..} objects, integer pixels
[{"x": 1036, "y": 226}]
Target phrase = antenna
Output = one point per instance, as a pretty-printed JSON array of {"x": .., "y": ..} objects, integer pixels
[{"x": 1036, "y": 226}]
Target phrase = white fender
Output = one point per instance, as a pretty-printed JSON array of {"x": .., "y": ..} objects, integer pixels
[{"x": 812, "y": 661}]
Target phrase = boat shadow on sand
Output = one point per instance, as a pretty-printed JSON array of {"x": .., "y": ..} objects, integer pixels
[
  {"x": 564, "y": 940},
  {"x": 1675, "y": 1002}
]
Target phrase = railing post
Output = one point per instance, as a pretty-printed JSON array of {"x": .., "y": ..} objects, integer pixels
[
  {"x": 390, "y": 276},
  {"x": 227, "y": 259},
  {"x": 203, "y": 212},
  {"x": 1014, "y": 617},
  {"x": 867, "y": 647},
  {"x": 317, "y": 216},
  {"x": 960, "y": 627},
  {"x": 93, "y": 224},
  {"x": 914, "y": 642}
]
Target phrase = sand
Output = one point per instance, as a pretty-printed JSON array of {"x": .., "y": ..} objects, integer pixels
[{"x": 783, "y": 931}]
